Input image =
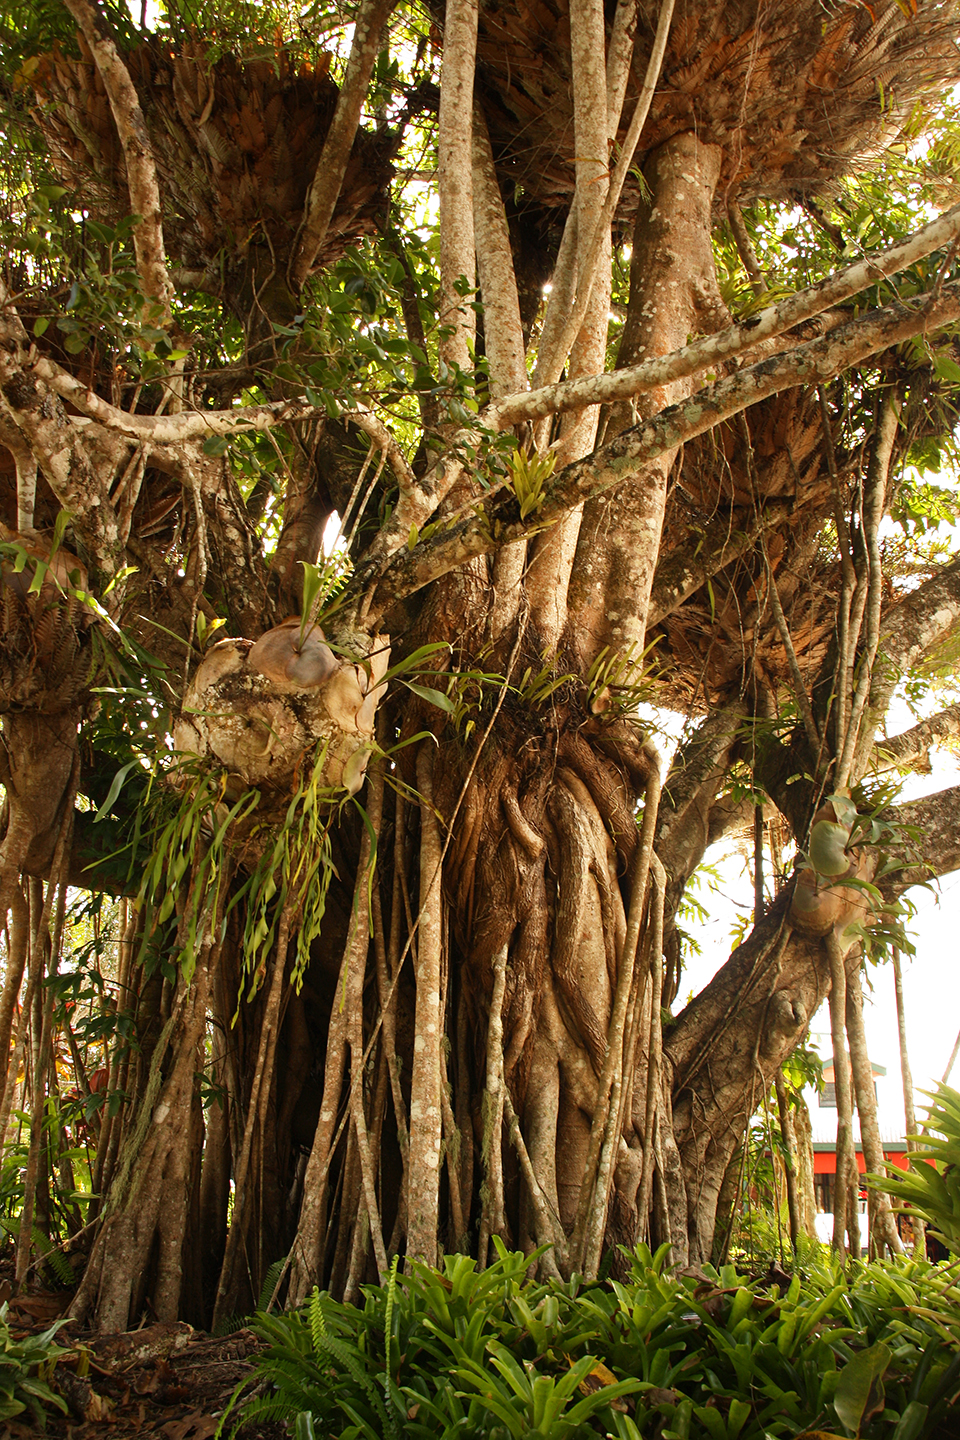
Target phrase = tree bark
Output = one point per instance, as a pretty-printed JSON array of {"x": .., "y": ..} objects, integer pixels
[
  {"x": 909, "y": 1110},
  {"x": 148, "y": 1197},
  {"x": 325, "y": 187},
  {"x": 789, "y": 1160},
  {"x": 883, "y": 1229},
  {"x": 423, "y": 1161},
  {"x": 455, "y": 188},
  {"x": 845, "y": 1226},
  {"x": 138, "y": 156}
]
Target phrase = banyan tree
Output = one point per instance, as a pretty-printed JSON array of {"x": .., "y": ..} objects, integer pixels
[{"x": 391, "y": 417}]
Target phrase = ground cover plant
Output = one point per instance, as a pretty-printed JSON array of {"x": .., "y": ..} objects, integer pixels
[
  {"x": 931, "y": 1186},
  {"x": 26, "y": 1367},
  {"x": 872, "y": 1352}
]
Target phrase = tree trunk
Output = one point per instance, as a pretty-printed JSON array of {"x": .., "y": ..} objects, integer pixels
[
  {"x": 149, "y": 1199},
  {"x": 789, "y": 1159},
  {"x": 807, "y": 1196},
  {"x": 883, "y": 1229},
  {"x": 909, "y": 1111}
]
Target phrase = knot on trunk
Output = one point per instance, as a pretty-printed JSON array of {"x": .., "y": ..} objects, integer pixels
[{"x": 786, "y": 1018}]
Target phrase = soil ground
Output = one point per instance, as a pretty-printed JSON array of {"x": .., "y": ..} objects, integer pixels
[{"x": 167, "y": 1381}]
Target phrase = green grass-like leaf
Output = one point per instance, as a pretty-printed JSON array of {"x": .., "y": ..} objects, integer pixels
[{"x": 491, "y": 1353}]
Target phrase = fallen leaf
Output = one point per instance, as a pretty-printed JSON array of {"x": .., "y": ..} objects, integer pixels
[
  {"x": 194, "y": 1427},
  {"x": 596, "y": 1379},
  {"x": 40, "y": 1307}
]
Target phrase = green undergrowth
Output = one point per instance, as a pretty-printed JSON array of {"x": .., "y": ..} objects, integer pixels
[
  {"x": 26, "y": 1364},
  {"x": 931, "y": 1184},
  {"x": 872, "y": 1353}
]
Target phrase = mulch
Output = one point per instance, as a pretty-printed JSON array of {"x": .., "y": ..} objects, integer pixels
[{"x": 163, "y": 1380}]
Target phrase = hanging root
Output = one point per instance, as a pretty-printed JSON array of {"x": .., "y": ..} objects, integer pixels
[
  {"x": 426, "y": 1125},
  {"x": 574, "y": 959},
  {"x": 306, "y": 1265},
  {"x": 620, "y": 1046},
  {"x": 256, "y": 1112},
  {"x": 492, "y": 1217},
  {"x": 845, "y": 1199},
  {"x": 374, "y": 1229}
]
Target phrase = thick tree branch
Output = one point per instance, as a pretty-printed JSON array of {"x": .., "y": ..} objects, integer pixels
[
  {"x": 935, "y": 821},
  {"x": 592, "y": 247},
  {"x": 680, "y": 574},
  {"x": 166, "y": 429},
  {"x": 502, "y": 330},
  {"x": 59, "y": 450},
  {"x": 728, "y": 1042},
  {"x": 421, "y": 500},
  {"x": 498, "y": 521},
  {"x": 781, "y": 977},
  {"x": 137, "y": 153},
  {"x": 869, "y": 599},
  {"x": 909, "y": 750},
  {"x": 619, "y": 56},
  {"x": 735, "y": 339},
  {"x": 192, "y": 425},
  {"x": 584, "y": 337},
  {"x": 751, "y": 1014},
  {"x": 696, "y": 775},
  {"x": 26, "y": 466},
  {"x": 537, "y": 404},
  {"x": 910, "y": 629}
]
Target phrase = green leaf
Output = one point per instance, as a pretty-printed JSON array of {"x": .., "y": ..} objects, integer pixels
[
  {"x": 946, "y": 369},
  {"x": 98, "y": 231},
  {"x": 859, "y": 1383},
  {"x": 115, "y": 788},
  {"x": 417, "y": 659},
  {"x": 433, "y": 697},
  {"x": 216, "y": 445},
  {"x": 911, "y": 1423}
]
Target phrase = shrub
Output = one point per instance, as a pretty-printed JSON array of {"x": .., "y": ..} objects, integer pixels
[
  {"x": 931, "y": 1186},
  {"x": 24, "y": 1366},
  {"x": 706, "y": 1357}
]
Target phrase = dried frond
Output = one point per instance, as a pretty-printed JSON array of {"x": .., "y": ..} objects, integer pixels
[
  {"x": 235, "y": 143},
  {"x": 794, "y": 98}
]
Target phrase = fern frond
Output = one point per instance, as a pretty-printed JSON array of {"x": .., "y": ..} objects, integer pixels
[{"x": 271, "y": 1282}]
